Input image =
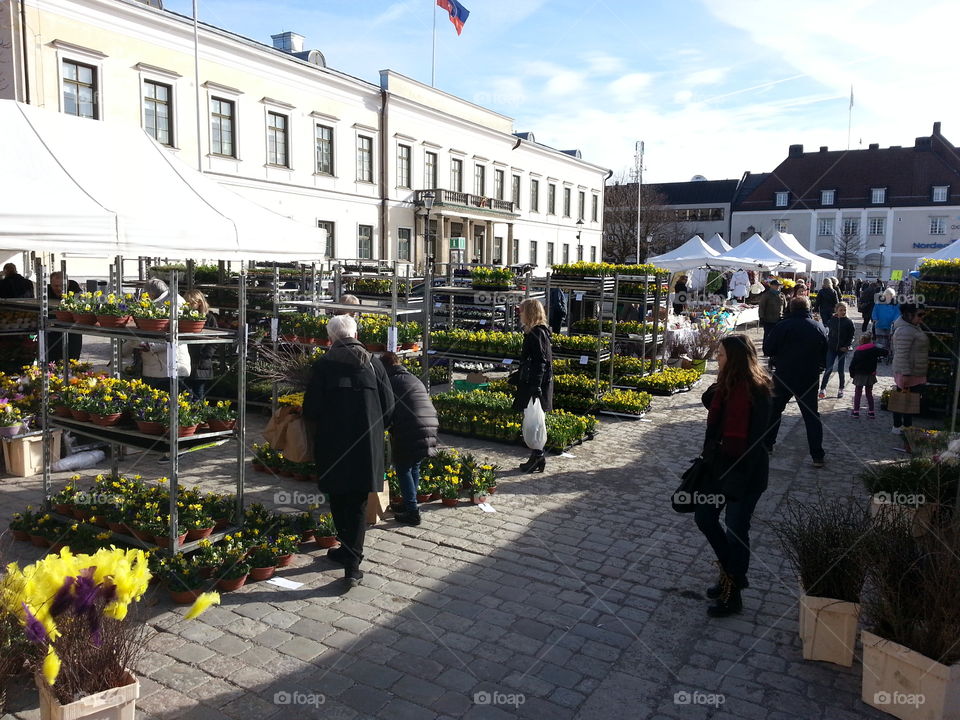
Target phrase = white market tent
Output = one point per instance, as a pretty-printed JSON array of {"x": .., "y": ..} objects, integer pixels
[
  {"x": 79, "y": 186},
  {"x": 719, "y": 244},
  {"x": 692, "y": 254},
  {"x": 755, "y": 252},
  {"x": 787, "y": 244},
  {"x": 950, "y": 252}
]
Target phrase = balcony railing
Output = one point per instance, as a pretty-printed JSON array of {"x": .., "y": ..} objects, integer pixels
[{"x": 460, "y": 199}]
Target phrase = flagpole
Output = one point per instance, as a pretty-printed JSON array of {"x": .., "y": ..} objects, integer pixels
[
  {"x": 433, "y": 59},
  {"x": 849, "y": 117}
]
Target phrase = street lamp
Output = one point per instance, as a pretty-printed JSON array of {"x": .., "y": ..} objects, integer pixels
[
  {"x": 579, "y": 245},
  {"x": 883, "y": 248},
  {"x": 428, "y": 198}
]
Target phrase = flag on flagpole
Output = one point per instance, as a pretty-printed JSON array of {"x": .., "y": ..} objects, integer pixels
[{"x": 458, "y": 13}]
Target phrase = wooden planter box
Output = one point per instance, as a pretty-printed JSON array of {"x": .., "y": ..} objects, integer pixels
[
  {"x": 23, "y": 457},
  {"x": 920, "y": 517},
  {"x": 113, "y": 704},
  {"x": 828, "y": 629},
  {"x": 906, "y": 684}
]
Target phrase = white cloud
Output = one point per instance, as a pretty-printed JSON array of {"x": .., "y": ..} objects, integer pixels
[
  {"x": 602, "y": 64},
  {"x": 682, "y": 97},
  {"x": 711, "y": 76},
  {"x": 627, "y": 88}
]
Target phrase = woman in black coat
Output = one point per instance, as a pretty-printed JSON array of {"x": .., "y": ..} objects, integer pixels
[
  {"x": 348, "y": 405},
  {"x": 738, "y": 418},
  {"x": 826, "y": 302},
  {"x": 534, "y": 379},
  {"x": 840, "y": 331},
  {"x": 413, "y": 432},
  {"x": 201, "y": 356}
]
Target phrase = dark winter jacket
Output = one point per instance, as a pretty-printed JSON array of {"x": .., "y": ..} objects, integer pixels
[
  {"x": 772, "y": 305},
  {"x": 826, "y": 303},
  {"x": 536, "y": 369},
  {"x": 839, "y": 333},
  {"x": 16, "y": 286},
  {"x": 347, "y": 405},
  {"x": 201, "y": 356},
  {"x": 558, "y": 308},
  {"x": 865, "y": 359},
  {"x": 748, "y": 473},
  {"x": 797, "y": 346},
  {"x": 414, "y": 426}
]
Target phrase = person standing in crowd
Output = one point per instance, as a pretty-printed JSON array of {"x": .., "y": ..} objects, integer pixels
[
  {"x": 738, "y": 405},
  {"x": 680, "y": 295},
  {"x": 826, "y": 302},
  {"x": 153, "y": 355},
  {"x": 55, "y": 339},
  {"x": 558, "y": 309},
  {"x": 798, "y": 346},
  {"x": 413, "y": 432},
  {"x": 840, "y": 332},
  {"x": 772, "y": 304},
  {"x": 800, "y": 289},
  {"x": 348, "y": 405},
  {"x": 885, "y": 314},
  {"x": 201, "y": 356},
  {"x": 866, "y": 300},
  {"x": 13, "y": 284},
  {"x": 863, "y": 371},
  {"x": 534, "y": 378},
  {"x": 911, "y": 349},
  {"x": 740, "y": 282}
]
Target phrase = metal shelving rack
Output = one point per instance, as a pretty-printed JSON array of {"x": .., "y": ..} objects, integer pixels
[
  {"x": 121, "y": 437},
  {"x": 953, "y": 384}
]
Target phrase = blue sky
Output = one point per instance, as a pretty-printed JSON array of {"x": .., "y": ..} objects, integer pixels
[{"x": 712, "y": 87}]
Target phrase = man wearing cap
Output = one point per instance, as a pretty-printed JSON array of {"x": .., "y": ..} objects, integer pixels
[{"x": 772, "y": 304}]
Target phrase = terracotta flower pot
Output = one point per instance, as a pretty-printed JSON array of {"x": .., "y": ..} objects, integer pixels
[
  {"x": 492, "y": 490},
  {"x": 39, "y": 541},
  {"x": 85, "y": 318},
  {"x": 327, "y": 541},
  {"x": 21, "y": 535},
  {"x": 307, "y": 536},
  {"x": 375, "y": 347},
  {"x": 221, "y": 425},
  {"x": 434, "y": 496},
  {"x": 186, "y": 430},
  {"x": 112, "y": 321},
  {"x": 117, "y": 527},
  {"x": 259, "y": 467},
  {"x": 152, "y": 324},
  {"x": 203, "y": 427},
  {"x": 63, "y": 315},
  {"x": 262, "y": 573},
  {"x": 80, "y": 415},
  {"x": 105, "y": 420},
  {"x": 199, "y": 533},
  {"x": 148, "y": 427},
  {"x": 191, "y": 326},
  {"x": 183, "y": 597},
  {"x": 221, "y": 524},
  {"x": 449, "y": 502},
  {"x": 424, "y": 497},
  {"x": 164, "y": 540},
  {"x": 284, "y": 560},
  {"x": 63, "y": 509},
  {"x": 61, "y": 411},
  {"x": 477, "y": 499},
  {"x": 101, "y": 523},
  {"x": 207, "y": 572},
  {"x": 231, "y": 584},
  {"x": 410, "y": 346}
]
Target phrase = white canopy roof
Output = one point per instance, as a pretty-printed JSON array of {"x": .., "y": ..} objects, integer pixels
[
  {"x": 74, "y": 185},
  {"x": 719, "y": 244},
  {"x": 754, "y": 251},
  {"x": 692, "y": 254},
  {"x": 950, "y": 252},
  {"x": 787, "y": 244}
]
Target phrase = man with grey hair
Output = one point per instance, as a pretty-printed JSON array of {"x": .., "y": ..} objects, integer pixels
[{"x": 348, "y": 405}]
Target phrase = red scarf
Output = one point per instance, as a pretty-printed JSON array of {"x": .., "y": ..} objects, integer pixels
[{"x": 731, "y": 415}]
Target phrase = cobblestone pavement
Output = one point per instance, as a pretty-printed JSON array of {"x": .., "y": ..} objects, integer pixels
[{"x": 581, "y": 597}]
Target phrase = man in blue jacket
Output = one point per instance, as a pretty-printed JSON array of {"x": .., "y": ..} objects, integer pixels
[{"x": 797, "y": 346}]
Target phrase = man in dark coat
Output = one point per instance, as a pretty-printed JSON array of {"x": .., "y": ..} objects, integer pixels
[
  {"x": 348, "y": 405},
  {"x": 558, "y": 309},
  {"x": 413, "y": 432},
  {"x": 798, "y": 348},
  {"x": 55, "y": 339},
  {"x": 772, "y": 303},
  {"x": 13, "y": 284},
  {"x": 866, "y": 301},
  {"x": 826, "y": 302}
]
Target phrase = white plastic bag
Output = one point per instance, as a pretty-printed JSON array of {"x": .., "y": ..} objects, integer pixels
[{"x": 534, "y": 425}]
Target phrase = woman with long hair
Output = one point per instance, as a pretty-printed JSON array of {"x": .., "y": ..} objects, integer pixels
[
  {"x": 739, "y": 408},
  {"x": 534, "y": 378},
  {"x": 201, "y": 356}
]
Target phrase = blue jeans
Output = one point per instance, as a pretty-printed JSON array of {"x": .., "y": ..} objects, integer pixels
[
  {"x": 409, "y": 478},
  {"x": 834, "y": 357},
  {"x": 732, "y": 545}
]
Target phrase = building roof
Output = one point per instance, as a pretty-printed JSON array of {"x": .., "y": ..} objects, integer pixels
[
  {"x": 748, "y": 183},
  {"x": 908, "y": 174},
  {"x": 697, "y": 192}
]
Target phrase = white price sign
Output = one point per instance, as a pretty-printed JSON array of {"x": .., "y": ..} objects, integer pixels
[
  {"x": 508, "y": 361},
  {"x": 584, "y": 359},
  {"x": 392, "y": 338},
  {"x": 274, "y": 329},
  {"x": 171, "y": 360},
  {"x": 483, "y": 322},
  {"x": 579, "y": 296}
]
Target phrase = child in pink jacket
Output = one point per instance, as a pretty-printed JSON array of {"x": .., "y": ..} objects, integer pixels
[{"x": 863, "y": 371}]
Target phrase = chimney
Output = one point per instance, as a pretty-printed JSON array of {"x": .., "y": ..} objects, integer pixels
[
  {"x": 873, "y": 146},
  {"x": 922, "y": 143},
  {"x": 795, "y": 151},
  {"x": 823, "y": 148},
  {"x": 289, "y": 42},
  {"x": 936, "y": 128}
]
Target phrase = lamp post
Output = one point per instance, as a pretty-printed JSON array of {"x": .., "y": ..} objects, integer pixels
[
  {"x": 638, "y": 173},
  {"x": 579, "y": 245},
  {"x": 883, "y": 248},
  {"x": 428, "y": 199}
]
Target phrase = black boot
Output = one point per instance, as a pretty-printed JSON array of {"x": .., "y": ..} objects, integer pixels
[
  {"x": 530, "y": 462},
  {"x": 715, "y": 591},
  {"x": 729, "y": 602},
  {"x": 352, "y": 576},
  {"x": 408, "y": 517}
]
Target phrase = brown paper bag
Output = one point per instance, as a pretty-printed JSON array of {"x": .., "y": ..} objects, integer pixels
[
  {"x": 296, "y": 443},
  {"x": 276, "y": 429},
  {"x": 904, "y": 402}
]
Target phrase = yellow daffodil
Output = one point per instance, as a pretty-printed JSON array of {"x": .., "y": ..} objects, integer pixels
[{"x": 201, "y": 604}]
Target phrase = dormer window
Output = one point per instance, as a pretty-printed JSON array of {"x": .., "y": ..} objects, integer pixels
[
  {"x": 941, "y": 193},
  {"x": 878, "y": 196},
  {"x": 827, "y": 196},
  {"x": 781, "y": 198}
]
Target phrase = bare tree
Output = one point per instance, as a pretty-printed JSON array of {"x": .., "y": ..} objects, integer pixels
[
  {"x": 847, "y": 247},
  {"x": 657, "y": 221}
]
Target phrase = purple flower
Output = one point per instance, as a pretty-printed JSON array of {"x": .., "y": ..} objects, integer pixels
[
  {"x": 63, "y": 600},
  {"x": 85, "y": 591},
  {"x": 35, "y": 631}
]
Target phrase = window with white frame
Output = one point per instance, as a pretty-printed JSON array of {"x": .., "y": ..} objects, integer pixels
[
  {"x": 878, "y": 225},
  {"x": 549, "y": 254},
  {"x": 581, "y": 205},
  {"x": 277, "y": 150},
  {"x": 595, "y": 208},
  {"x": 323, "y": 135},
  {"x": 533, "y": 251},
  {"x": 480, "y": 180},
  {"x": 579, "y": 253},
  {"x": 780, "y": 225},
  {"x": 364, "y": 160},
  {"x": 222, "y": 127},
  {"x": 851, "y": 227},
  {"x": 938, "y": 226},
  {"x": 827, "y": 197},
  {"x": 403, "y": 244},
  {"x": 430, "y": 170},
  {"x": 551, "y": 199},
  {"x": 328, "y": 226},
  {"x": 593, "y": 253},
  {"x": 825, "y": 227},
  {"x": 534, "y": 195},
  {"x": 365, "y": 241},
  {"x": 516, "y": 192},
  {"x": 878, "y": 196},
  {"x": 404, "y": 174},
  {"x": 940, "y": 193},
  {"x": 498, "y": 178},
  {"x": 566, "y": 253},
  {"x": 497, "y": 250},
  {"x": 516, "y": 250},
  {"x": 456, "y": 174},
  {"x": 781, "y": 198},
  {"x": 158, "y": 111},
  {"x": 566, "y": 203},
  {"x": 80, "y": 91}
]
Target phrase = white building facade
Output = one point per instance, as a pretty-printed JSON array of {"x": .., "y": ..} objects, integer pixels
[{"x": 324, "y": 148}]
